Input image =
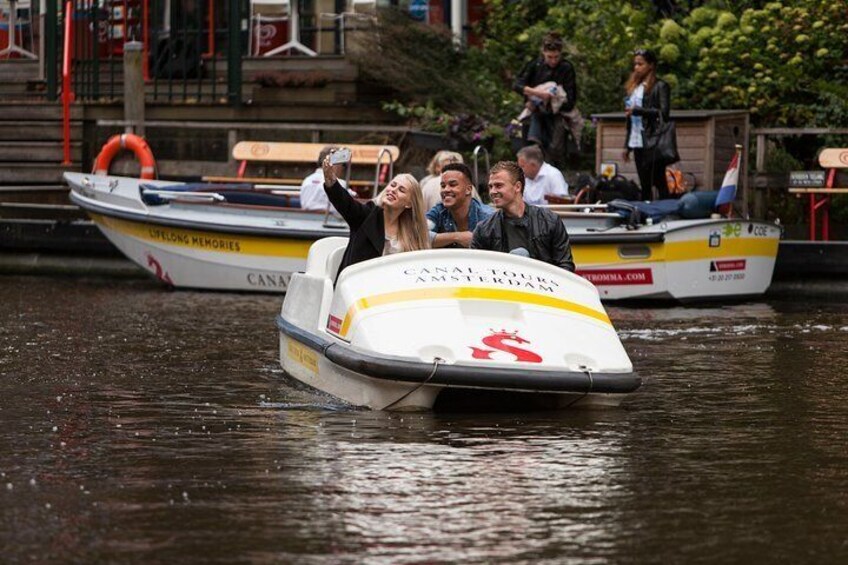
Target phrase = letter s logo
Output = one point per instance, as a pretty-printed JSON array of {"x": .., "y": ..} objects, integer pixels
[{"x": 497, "y": 342}]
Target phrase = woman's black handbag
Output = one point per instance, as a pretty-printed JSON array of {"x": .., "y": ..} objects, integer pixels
[{"x": 664, "y": 143}]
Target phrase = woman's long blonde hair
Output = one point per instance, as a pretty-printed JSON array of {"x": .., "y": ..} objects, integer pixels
[{"x": 412, "y": 224}]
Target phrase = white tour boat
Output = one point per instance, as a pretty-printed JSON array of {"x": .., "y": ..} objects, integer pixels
[
  {"x": 395, "y": 332},
  {"x": 238, "y": 237},
  {"x": 672, "y": 259},
  {"x": 221, "y": 237}
]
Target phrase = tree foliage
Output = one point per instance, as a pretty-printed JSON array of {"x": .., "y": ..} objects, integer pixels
[
  {"x": 421, "y": 65},
  {"x": 784, "y": 61}
]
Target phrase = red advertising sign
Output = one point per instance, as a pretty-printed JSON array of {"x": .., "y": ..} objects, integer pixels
[
  {"x": 733, "y": 265},
  {"x": 334, "y": 324},
  {"x": 611, "y": 277}
]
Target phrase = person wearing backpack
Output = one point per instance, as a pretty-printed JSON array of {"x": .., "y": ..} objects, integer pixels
[{"x": 647, "y": 102}]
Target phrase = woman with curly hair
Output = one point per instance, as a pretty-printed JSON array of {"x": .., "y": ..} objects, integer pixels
[{"x": 648, "y": 102}]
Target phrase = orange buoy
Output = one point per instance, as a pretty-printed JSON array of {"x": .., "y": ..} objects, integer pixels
[{"x": 134, "y": 143}]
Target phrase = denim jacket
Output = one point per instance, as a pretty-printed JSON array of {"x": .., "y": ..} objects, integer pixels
[{"x": 440, "y": 220}]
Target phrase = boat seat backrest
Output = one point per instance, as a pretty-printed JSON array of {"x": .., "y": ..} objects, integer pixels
[
  {"x": 834, "y": 161},
  {"x": 320, "y": 251},
  {"x": 334, "y": 261}
]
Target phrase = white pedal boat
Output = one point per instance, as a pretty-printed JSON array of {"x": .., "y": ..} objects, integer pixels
[{"x": 397, "y": 331}]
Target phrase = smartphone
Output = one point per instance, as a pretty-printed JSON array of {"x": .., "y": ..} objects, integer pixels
[{"x": 340, "y": 156}]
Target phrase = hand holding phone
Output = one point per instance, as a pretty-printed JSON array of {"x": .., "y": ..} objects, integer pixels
[{"x": 340, "y": 156}]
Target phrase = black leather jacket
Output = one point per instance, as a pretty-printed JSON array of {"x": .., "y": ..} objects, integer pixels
[
  {"x": 367, "y": 228},
  {"x": 655, "y": 103},
  {"x": 547, "y": 234}
]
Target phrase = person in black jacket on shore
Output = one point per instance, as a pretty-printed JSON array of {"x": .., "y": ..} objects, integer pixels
[
  {"x": 518, "y": 227},
  {"x": 546, "y": 126},
  {"x": 391, "y": 223},
  {"x": 648, "y": 101}
]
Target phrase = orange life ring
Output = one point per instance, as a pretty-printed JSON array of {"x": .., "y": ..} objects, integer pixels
[{"x": 134, "y": 143}]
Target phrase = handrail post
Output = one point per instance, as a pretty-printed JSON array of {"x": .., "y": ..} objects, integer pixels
[
  {"x": 145, "y": 39},
  {"x": 210, "y": 32},
  {"x": 391, "y": 163},
  {"x": 476, "y": 175},
  {"x": 51, "y": 30},
  {"x": 134, "y": 87},
  {"x": 67, "y": 94},
  {"x": 234, "y": 54}
]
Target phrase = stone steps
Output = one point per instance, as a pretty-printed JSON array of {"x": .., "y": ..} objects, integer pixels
[
  {"x": 36, "y": 130},
  {"x": 36, "y": 110},
  {"x": 35, "y": 151},
  {"x": 19, "y": 80},
  {"x": 41, "y": 194},
  {"x": 24, "y": 173}
]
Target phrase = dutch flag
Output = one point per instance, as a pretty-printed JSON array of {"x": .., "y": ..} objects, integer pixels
[{"x": 727, "y": 193}]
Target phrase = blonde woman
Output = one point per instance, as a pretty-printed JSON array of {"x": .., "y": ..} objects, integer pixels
[{"x": 391, "y": 223}]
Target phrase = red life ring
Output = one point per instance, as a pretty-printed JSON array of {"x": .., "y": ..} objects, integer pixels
[{"x": 134, "y": 143}]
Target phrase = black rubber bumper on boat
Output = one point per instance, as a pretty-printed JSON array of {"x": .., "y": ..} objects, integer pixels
[{"x": 520, "y": 379}]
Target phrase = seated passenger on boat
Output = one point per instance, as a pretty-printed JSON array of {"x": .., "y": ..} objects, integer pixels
[
  {"x": 518, "y": 227},
  {"x": 455, "y": 217},
  {"x": 312, "y": 195},
  {"x": 392, "y": 222},
  {"x": 431, "y": 184},
  {"x": 541, "y": 178}
]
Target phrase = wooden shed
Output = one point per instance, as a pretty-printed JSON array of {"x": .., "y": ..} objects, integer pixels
[{"x": 706, "y": 140}]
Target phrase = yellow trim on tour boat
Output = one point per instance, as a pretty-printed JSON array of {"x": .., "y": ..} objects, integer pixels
[
  {"x": 207, "y": 241},
  {"x": 588, "y": 254},
  {"x": 467, "y": 293}
]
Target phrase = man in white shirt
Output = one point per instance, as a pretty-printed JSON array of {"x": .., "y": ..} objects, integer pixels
[
  {"x": 312, "y": 195},
  {"x": 541, "y": 178}
]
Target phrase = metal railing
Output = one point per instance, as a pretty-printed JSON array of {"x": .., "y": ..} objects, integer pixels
[
  {"x": 760, "y": 191},
  {"x": 184, "y": 48},
  {"x": 67, "y": 92}
]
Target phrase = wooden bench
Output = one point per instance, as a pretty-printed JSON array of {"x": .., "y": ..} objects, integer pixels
[
  {"x": 831, "y": 160},
  {"x": 554, "y": 200},
  {"x": 380, "y": 157}
]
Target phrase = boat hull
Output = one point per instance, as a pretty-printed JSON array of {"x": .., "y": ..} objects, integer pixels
[
  {"x": 395, "y": 332},
  {"x": 222, "y": 246},
  {"x": 687, "y": 261},
  {"x": 189, "y": 258},
  {"x": 398, "y": 384}
]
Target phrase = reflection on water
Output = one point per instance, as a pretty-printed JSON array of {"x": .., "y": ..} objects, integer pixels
[{"x": 145, "y": 425}]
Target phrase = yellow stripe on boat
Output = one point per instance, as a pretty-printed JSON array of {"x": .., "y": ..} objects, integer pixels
[
  {"x": 467, "y": 293},
  {"x": 694, "y": 250},
  {"x": 207, "y": 241}
]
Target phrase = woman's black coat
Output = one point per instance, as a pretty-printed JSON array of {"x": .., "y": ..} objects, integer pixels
[
  {"x": 367, "y": 227},
  {"x": 655, "y": 103}
]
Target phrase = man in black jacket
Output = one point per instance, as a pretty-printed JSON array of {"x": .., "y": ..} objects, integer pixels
[
  {"x": 518, "y": 227},
  {"x": 546, "y": 126}
]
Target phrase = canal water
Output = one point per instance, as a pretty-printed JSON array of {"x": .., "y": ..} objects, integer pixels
[{"x": 141, "y": 425}]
